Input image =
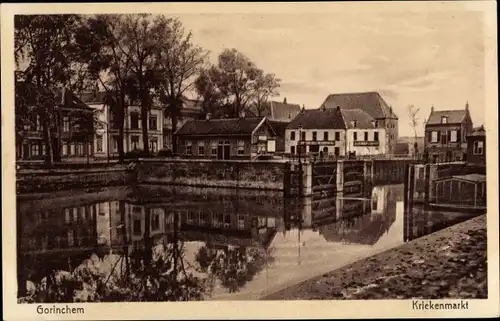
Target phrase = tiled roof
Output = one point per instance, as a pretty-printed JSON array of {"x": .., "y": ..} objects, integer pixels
[
  {"x": 62, "y": 96},
  {"x": 363, "y": 120},
  {"x": 454, "y": 116},
  {"x": 318, "y": 119},
  {"x": 370, "y": 102},
  {"x": 220, "y": 127},
  {"x": 281, "y": 111}
]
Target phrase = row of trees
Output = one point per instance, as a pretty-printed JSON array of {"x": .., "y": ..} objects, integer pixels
[{"x": 137, "y": 59}]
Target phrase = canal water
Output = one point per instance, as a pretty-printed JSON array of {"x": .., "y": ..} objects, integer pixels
[{"x": 157, "y": 243}]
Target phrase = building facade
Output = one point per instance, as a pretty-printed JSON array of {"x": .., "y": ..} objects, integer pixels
[
  {"x": 364, "y": 135},
  {"x": 446, "y": 134},
  {"x": 476, "y": 147},
  {"x": 71, "y": 128},
  {"x": 236, "y": 138},
  {"x": 159, "y": 126},
  {"x": 374, "y": 105},
  {"x": 318, "y": 132}
]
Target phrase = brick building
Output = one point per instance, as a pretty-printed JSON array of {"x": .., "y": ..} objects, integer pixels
[
  {"x": 70, "y": 124},
  {"x": 476, "y": 147},
  {"x": 235, "y": 138},
  {"x": 446, "y": 134}
]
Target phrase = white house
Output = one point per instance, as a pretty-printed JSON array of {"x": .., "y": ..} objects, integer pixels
[
  {"x": 316, "y": 131},
  {"x": 365, "y": 136}
]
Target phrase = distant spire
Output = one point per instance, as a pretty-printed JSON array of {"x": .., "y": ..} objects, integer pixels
[
  {"x": 284, "y": 101},
  {"x": 467, "y": 105}
]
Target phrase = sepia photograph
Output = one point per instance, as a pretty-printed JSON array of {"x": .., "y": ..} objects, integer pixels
[{"x": 278, "y": 155}]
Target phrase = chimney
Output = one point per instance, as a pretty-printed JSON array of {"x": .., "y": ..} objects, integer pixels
[
  {"x": 432, "y": 108},
  {"x": 338, "y": 108},
  {"x": 284, "y": 101},
  {"x": 303, "y": 108},
  {"x": 208, "y": 116}
]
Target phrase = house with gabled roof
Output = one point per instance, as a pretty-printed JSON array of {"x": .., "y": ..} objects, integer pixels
[
  {"x": 228, "y": 138},
  {"x": 316, "y": 131},
  {"x": 446, "y": 134},
  {"x": 374, "y": 105},
  {"x": 72, "y": 128}
]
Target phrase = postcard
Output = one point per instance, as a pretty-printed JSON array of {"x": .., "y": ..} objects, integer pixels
[{"x": 249, "y": 160}]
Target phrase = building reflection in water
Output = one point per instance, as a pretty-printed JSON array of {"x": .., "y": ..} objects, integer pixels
[{"x": 163, "y": 243}]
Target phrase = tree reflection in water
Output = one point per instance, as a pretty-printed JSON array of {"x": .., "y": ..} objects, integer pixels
[
  {"x": 232, "y": 266},
  {"x": 154, "y": 270}
]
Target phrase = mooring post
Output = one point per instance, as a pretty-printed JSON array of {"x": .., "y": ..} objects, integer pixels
[{"x": 427, "y": 185}]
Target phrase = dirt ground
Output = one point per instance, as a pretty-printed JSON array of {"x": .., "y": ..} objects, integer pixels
[{"x": 450, "y": 263}]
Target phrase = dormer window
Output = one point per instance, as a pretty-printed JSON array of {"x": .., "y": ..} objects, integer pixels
[
  {"x": 354, "y": 123},
  {"x": 444, "y": 120}
]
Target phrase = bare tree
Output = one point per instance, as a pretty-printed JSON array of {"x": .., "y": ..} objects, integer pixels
[
  {"x": 179, "y": 61},
  {"x": 414, "y": 123}
]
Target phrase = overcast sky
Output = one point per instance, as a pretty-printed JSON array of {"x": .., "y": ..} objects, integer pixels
[{"x": 425, "y": 59}]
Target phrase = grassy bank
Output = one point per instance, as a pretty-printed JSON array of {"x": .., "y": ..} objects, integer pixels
[{"x": 450, "y": 263}]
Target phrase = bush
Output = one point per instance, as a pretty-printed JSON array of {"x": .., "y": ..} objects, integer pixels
[
  {"x": 135, "y": 154},
  {"x": 165, "y": 153}
]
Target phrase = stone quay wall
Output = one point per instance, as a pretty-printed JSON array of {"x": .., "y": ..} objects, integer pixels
[
  {"x": 264, "y": 175},
  {"x": 45, "y": 181}
]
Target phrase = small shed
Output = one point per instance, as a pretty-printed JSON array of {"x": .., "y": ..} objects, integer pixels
[{"x": 466, "y": 190}]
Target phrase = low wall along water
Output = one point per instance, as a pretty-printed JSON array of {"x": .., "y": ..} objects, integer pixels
[{"x": 278, "y": 175}]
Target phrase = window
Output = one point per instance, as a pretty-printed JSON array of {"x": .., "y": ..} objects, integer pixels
[
  {"x": 374, "y": 204},
  {"x": 241, "y": 147},
  {"x": 375, "y": 136},
  {"x": 66, "y": 124},
  {"x": 444, "y": 120},
  {"x": 241, "y": 222},
  {"x": 325, "y": 136},
  {"x": 98, "y": 143},
  {"x": 115, "y": 143},
  {"x": 434, "y": 137},
  {"x": 303, "y": 135},
  {"x": 366, "y": 136},
  {"x": 337, "y": 151},
  {"x": 137, "y": 227},
  {"x": 64, "y": 149},
  {"x": 444, "y": 137},
  {"x": 459, "y": 135},
  {"x": 453, "y": 136},
  {"x": 292, "y": 150},
  {"x": 189, "y": 147},
  {"x": 376, "y": 124},
  {"x": 314, "y": 136},
  {"x": 214, "y": 149},
  {"x": 355, "y": 136},
  {"x": 155, "y": 221},
  {"x": 201, "y": 147},
  {"x": 153, "y": 122},
  {"x": 35, "y": 150},
  {"x": 77, "y": 149},
  {"x": 190, "y": 218},
  {"x": 325, "y": 150},
  {"x": 478, "y": 148},
  {"x": 292, "y": 135},
  {"x": 134, "y": 120},
  {"x": 337, "y": 136}
]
